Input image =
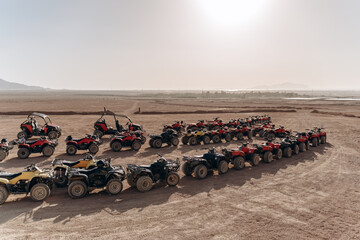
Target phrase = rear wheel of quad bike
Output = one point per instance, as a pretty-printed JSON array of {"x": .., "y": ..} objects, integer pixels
[
  {"x": 53, "y": 134},
  {"x": 130, "y": 180},
  {"x": 48, "y": 150},
  {"x": 39, "y": 192},
  {"x": 193, "y": 141},
  {"x": 116, "y": 146},
  {"x": 239, "y": 163},
  {"x": 287, "y": 152},
  {"x": 22, "y": 134},
  {"x": 174, "y": 141},
  {"x": 314, "y": 142},
  {"x": 323, "y": 140},
  {"x": 185, "y": 140},
  {"x": 296, "y": 149},
  {"x": 270, "y": 136},
  {"x": 228, "y": 137},
  {"x": 261, "y": 133},
  {"x": 98, "y": 133},
  {"x": 268, "y": 157},
  {"x": 206, "y": 139},
  {"x": 3, "y": 155},
  {"x": 201, "y": 171},
  {"x": 151, "y": 143},
  {"x": 144, "y": 184},
  {"x": 4, "y": 194},
  {"x": 223, "y": 167},
  {"x": 114, "y": 186},
  {"x": 172, "y": 179},
  {"x": 239, "y": 136},
  {"x": 71, "y": 149},
  {"x": 186, "y": 169},
  {"x": 77, "y": 189},
  {"x": 302, "y": 147},
  {"x": 157, "y": 143},
  {"x": 255, "y": 159},
  {"x": 279, "y": 154},
  {"x": 23, "y": 153},
  {"x": 93, "y": 148},
  {"x": 216, "y": 138},
  {"x": 250, "y": 134},
  {"x": 136, "y": 145}
]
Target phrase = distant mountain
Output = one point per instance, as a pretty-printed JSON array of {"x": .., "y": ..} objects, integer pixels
[
  {"x": 10, "y": 86},
  {"x": 282, "y": 86}
]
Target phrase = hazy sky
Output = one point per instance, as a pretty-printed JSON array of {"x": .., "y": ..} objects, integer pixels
[{"x": 183, "y": 44}]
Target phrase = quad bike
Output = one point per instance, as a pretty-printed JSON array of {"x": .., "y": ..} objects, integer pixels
[
  {"x": 5, "y": 148},
  {"x": 233, "y": 123},
  {"x": 89, "y": 142},
  {"x": 103, "y": 128},
  {"x": 251, "y": 153},
  {"x": 314, "y": 137},
  {"x": 103, "y": 175},
  {"x": 196, "y": 126},
  {"x": 169, "y": 136},
  {"x": 61, "y": 168},
  {"x": 241, "y": 131},
  {"x": 42, "y": 145},
  {"x": 289, "y": 146},
  {"x": 30, "y": 127},
  {"x": 268, "y": 150},
  {"x": 177, "y": 126},
  {"x": 128, "y": 140},
  {"x": 215, "y": 124},
  {"x": 262, "y": 128},
  {"x": 322, "y": 134},
  {"x": 144, "y": 176},
  {"x": 140, "y": 134},
  {"x": 281, "y": 132},
  {"x": 200, "y": 165},
  {"x": 236, "y": 157},
  {"x": 216, "y": 136},
  {"x": 33, "y": 180},
  {"x": 195, "y": 138}
]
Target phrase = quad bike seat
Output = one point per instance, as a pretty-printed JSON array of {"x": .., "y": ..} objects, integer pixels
[
  {"x": 30, "y": 142},
  {"x": 145, "y": 166},
  {"x": 9, "y": 176},
  {"x": 88, "y": 171},
  {"x": 70, "y": 164}
]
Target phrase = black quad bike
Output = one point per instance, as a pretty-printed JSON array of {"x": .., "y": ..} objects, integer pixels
[
  {"x": 169, "y": 137},
  {"x": 144, "y": 176},
  {"x": 103, "y": 175},
  {"x": 289, "y": 146},
  {"x": 200, "y": 165},
  {"x": 5, "y": 148}
]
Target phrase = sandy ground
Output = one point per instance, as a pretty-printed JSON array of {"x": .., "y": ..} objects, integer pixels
[{"x": 315, "y": 195}]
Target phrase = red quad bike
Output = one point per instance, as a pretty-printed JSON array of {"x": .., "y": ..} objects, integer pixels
[
  {"x": 242, "y": 131},
  {"x": 89, "y": 142},
  {"x": 233, "y": 123},
  {"x": 314, "y": 137},
  {"x": 223, "y": 133},
  {"x": 127, "y": 140},
  {"x": 236, "y": 157},
  {"x": 321, "y": 133},
  {"x": 30, "y": 127},
  {"x": 260, "y": 129},
  {"x": 280, "y": 132},
  {"x": 215, "y": 124},
  {"x": 42, "y": 145},
  {"x": 251, "y": 154},
  {"x": 196, "y": 126},
  {"x": 5, "y": 148},
  {"x": 302, "y": 140},
  {"x": 177, "y": 126},
  {"x": 268, "y": 150}
]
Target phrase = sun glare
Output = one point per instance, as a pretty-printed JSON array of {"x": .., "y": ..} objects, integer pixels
[{"x": 232, "y": 12}]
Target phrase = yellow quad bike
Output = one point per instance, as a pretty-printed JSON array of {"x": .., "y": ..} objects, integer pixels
[
  {"x": 61, "y": 168},
  {"x": 194, "y": 138},
  {"x": 33, "y": 180}
]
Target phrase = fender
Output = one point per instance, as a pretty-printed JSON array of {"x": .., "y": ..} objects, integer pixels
[
  {"x": 71, "y": 143},
  {"x": 79, "y": 176}
]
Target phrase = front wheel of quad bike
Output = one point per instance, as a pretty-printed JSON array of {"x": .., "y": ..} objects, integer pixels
[
  {"x": 77, "y": 189},
  {"x": 270, "y": 136},
  {"x": 323, "y": 140},
  {"x": 314, "y": 142},
  {"x": 302, "y": 147},
  {"x": 261, "y": 133},
  {"x": 201, "y": 171},
  {"x": 144, "y": 184},
  {"x": 71, "y": 149},
  {"x": 296, "y": 149},
  {"x": 4, "y": 194},
  {"x": 239, "y": 163},
  {"x": 279, "y": 154},
  {"x": 239, "y": 136},
  {"x": 130, "y": 180},
  {"x": 185, "y": 140},
  {"x": 193, "y": 141},
  {"x": 136, "y": 145},
  {"x": 114, "y": 186},
  {"x": 174, "y": 141},
  {"x": 223, "y": 167},
  {"x": 268, "y": 157},
  {"x": 3, "y": 155},
  {"x": 22, "y": 134},
  {"x": 206, "y": 139},
  {"x": 93, "y": 148},
  {"x": 216, "y": 139},
  {"x": 39, "y": 192},
  {"x": 157, "y": 143},
  {"x": 151, "y": 143},
  {"x": 142, "y": 139},
  {"x": 255, "y": 159},
  {"x": 116, "y": 146},
  {"x": 172, "y": 179},
  {"x": 228, "y": 137},
  {"x": 47, "y": 151},
  {"x": 23, "y": 153},
  {"x": 98, "y": 133},
  {"x": 53, "y": 134},
  {"x": 287, "y": 152},
  {"x": 186, "y": 169}
]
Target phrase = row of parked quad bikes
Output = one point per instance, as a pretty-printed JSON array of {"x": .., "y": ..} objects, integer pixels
[{"x": 85, "y": 174}]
